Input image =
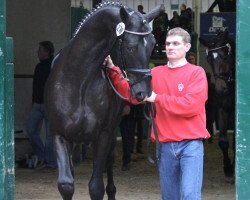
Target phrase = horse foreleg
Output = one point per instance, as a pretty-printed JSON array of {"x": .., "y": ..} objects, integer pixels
[
  {"x": 110, "y": 188},
  {"x": 224, "y": 143},
  {"x": 65, "y": 180},
  {"x": 101, "y": 149}
]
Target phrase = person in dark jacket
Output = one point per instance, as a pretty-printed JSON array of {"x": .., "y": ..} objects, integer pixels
[
  {"x": 137, "y": 117},
  {"x": 224, "y": 5},
  {"x": 43, "y": 150},
  {"x": 140, "y": 9},
  {"x": 127, "y": 137}
]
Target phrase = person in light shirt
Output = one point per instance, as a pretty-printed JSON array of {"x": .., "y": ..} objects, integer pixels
[{"x": 179, "y": 94}]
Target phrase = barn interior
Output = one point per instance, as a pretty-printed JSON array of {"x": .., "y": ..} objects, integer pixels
[{"x": 29, "y": 22}]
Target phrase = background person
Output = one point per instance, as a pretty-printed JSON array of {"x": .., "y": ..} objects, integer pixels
[
  {"x": 191, "y": 58},
  {"x": 140, "y": 9},
  {"x": 174, "y": 21},
  {"x": 224, "y": 5},
  {"x": 43, "y": 150},
  {"x": 137, "y": 117},
  {"x": 127, "y": 137}
]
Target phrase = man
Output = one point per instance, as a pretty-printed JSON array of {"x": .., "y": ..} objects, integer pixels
[
  {"x": 140, "y": 9},
  {"x": 179, "y": 93},
  {"x": 191, "y": 58},
  {"x": 224, "y": 5},
  {"x": 43, "y": 150},
  {"x": 127, "y": 137},
  {"x": 137, "y": 116}
]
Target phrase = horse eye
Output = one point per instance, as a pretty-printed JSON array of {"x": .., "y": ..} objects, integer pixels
[{"x": 131, "y": 49}]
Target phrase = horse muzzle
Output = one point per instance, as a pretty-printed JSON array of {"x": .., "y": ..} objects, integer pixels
[{"x": 143, "y": 77}]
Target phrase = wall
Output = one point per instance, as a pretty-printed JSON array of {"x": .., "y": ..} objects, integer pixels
[
  {"x": 149, "y": 4},
  {"x": 30, "y": 22}
]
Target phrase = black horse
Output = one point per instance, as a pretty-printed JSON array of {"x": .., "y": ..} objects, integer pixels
[
  {"x": 81, "y": 104},
  {"x": 221, "y": 57}
]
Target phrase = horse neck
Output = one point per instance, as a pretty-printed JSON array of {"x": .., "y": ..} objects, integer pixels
[{"x": 94, "y": 41}]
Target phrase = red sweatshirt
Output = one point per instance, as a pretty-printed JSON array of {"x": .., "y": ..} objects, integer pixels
[{"x": 180, "y": 101}]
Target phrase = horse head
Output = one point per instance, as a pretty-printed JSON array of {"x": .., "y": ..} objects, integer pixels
[
  {"x": 220, "y": 56},
  {"x": 133, "y": 48},
  {"x": 124, "y": 34}
]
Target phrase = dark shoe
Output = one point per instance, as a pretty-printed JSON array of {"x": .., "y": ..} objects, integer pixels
[{"x": 126, "y": 167}]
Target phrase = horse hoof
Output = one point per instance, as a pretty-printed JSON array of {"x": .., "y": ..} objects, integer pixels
[
  {"x": 229, "y": 171},
  {"x": 111, "y": 191},
  {"x": 66, "y": 190}
]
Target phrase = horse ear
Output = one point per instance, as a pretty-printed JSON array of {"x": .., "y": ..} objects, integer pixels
[
  {"x": 124, "y": 15},
  {"x": 155, "y": 13}
]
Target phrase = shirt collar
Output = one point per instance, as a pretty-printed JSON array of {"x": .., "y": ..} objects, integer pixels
[{"x": 179, "y": 64}]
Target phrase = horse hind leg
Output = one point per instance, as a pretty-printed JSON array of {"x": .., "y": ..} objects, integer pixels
[{"x": 65, "y": 176}]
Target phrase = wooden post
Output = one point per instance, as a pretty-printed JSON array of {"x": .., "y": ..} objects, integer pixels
[
  {"x": 6, "y": 111},
  {"x": 242, "y": 101}
]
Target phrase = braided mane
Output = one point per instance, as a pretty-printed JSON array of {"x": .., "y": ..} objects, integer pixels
[{"x": 98, "y": 7}]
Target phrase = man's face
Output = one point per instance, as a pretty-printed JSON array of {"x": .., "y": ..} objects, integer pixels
[
  {"x": 42, "y": 53},
  {"x": 176, "y": 49},
  {"x": 191, "y": 59}
]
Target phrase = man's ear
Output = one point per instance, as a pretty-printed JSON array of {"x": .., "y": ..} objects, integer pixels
[{"x": 187, "y": 47}]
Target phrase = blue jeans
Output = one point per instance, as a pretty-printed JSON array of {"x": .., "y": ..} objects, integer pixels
[
  {"x": 181, "y": 169},
  {"x": 43, "y": 150}
]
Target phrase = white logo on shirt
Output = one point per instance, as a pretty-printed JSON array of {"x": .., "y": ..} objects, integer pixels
[{"x": 180, "y": 87}]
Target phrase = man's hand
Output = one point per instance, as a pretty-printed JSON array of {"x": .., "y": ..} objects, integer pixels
[
  {"x": 108, "y": 62},
  {"x": 151, "y": 98}
]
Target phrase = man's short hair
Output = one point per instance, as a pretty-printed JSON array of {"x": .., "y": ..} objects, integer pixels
[
  {"x": 190, "y": 53},
  {"x": 180, "y": 32},
  {"x": 48, "y": 46}
]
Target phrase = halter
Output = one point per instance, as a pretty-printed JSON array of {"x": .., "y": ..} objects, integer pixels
[
  {"x": 146, "y": 73},
  {"x": 138, "y": 33},
  {"x": 227, "y": 77},
  {"x": 227, "y": 45}
]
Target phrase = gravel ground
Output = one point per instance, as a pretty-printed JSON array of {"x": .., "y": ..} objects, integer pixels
[{"x": 139, "y": 183}]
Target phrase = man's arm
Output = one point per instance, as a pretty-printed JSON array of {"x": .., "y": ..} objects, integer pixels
[{"x": 120, "y": 83}]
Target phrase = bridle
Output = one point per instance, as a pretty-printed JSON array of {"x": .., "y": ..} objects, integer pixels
[
  {"x": 145, "y": 73},
  {"x": 227, "y": 45},
  {"x": 227, "y": 77}
]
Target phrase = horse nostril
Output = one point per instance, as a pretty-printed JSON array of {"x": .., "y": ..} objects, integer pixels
[
  {"x": 140, "y": 96},
  {"x": 149, "y": 93}
]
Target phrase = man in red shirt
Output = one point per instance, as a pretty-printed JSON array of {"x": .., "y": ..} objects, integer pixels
[{"x": 179, "y": 94}]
